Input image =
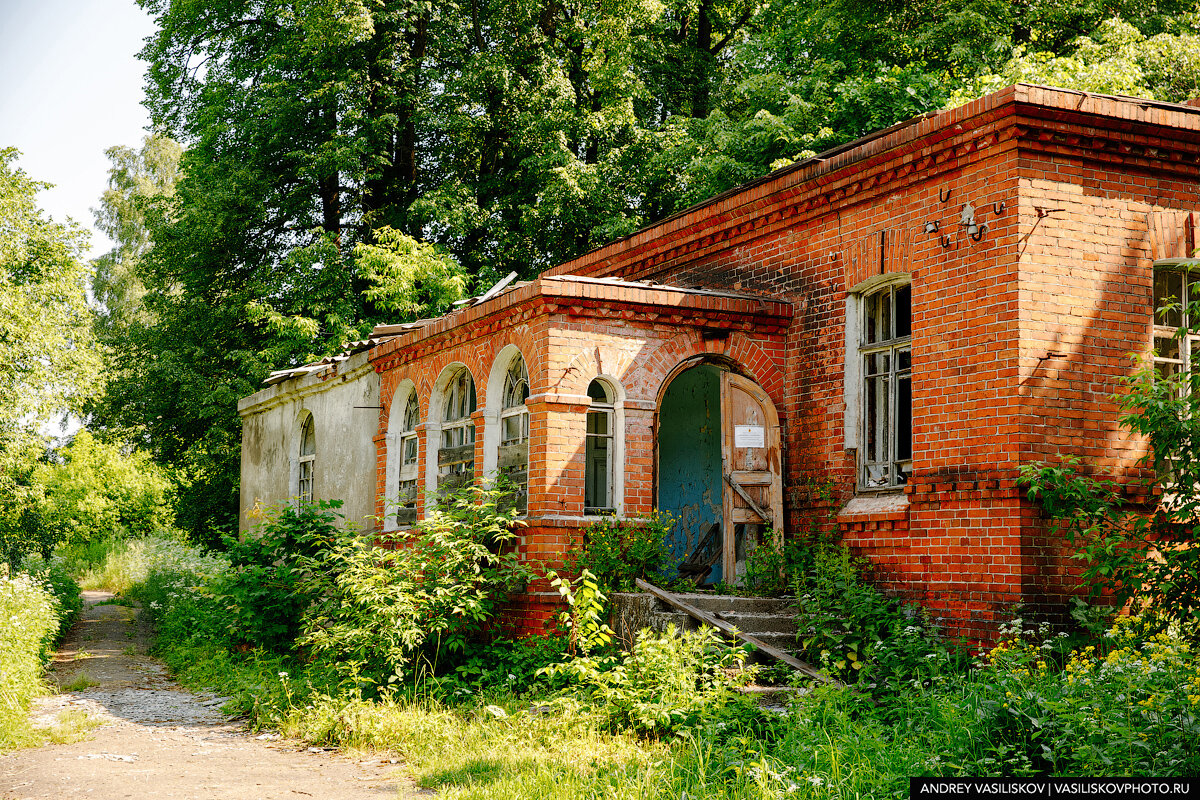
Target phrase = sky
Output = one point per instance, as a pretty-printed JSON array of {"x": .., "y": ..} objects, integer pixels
[{"x": 71, "y": 87}]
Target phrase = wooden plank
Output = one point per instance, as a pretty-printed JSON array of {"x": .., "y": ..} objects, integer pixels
[
  {"x": 512, "y": 455},
  {"x": 765, "y": 516},
  {"x": 406, "y": 516},
  {"x": 456, "y": 455},
  {"x": 725, "y": 627}
]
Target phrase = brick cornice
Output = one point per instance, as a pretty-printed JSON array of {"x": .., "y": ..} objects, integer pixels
[
  {"x": 1139, "y": 134},
  {"x": 822, "y": 194},
  {"x": 583, "y": 297}
]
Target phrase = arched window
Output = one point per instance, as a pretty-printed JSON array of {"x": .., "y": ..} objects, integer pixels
[
  {"x": 456, "y": 456},
  {"x": 406, "y": 510},
  {"x": 513, "y": 457},
  {"x": 599, "y": 450},
  {"x": 308, "y": 455}
]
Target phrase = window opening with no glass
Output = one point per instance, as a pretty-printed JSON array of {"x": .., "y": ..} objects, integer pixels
[
  {"x": 456, "y": 456},
  {"x": 513, "y": 457},
  {"x": 885, "y": 350},
  {"x": 406, "y": 490},
  {"x": 308, "y": 456}
]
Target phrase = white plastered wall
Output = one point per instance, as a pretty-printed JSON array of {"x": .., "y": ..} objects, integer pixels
[{"x": 345, "y": 411}]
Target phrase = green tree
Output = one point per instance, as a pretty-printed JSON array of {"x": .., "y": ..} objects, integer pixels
[
  {"x": 504, "y": 135},
  {"x": 47, "y": 363},
  {"x": 92, "y": 489},
  {"x": 126, "y": 215}
]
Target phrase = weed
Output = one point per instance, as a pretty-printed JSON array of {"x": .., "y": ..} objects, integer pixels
[
  {"x": 618, "y": 551},
  {"x": 72, "y": 725},
  {"x": 82, "y": 683},
  {"x": 28, "y": 627}
]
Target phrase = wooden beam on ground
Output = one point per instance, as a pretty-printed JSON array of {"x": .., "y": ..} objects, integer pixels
[{"x": 725, "y": 627}]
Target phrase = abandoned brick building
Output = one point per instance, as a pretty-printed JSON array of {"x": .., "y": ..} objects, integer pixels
[{"x": 905, "y": 320}]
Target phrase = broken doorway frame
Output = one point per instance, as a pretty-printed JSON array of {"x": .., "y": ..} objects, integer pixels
[{"x": 737, "y": 505}]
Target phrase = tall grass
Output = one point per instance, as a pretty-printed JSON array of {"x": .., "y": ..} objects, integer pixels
[
  {"x": 28, "y": 627},
  {"x": 118, "y": 565}
]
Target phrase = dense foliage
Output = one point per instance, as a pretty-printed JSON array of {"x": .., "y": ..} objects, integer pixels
[
  {"x": 1122, "y": 703},
  {"x": 369, "y": 611},
  {"x": 618, "y": 551},
  {"x": 37, "y": 605}
]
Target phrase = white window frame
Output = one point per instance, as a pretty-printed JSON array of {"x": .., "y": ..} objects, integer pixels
[
  {"x": 1179, "y": 350},
  {"x": 516, "y": 382},
  {"x": 408, "y": 469},
  {"x": 892, "y": 471},
  {"x": 306, "y": 460},
  {"x": 605, "y": 408},
  {"x": 457, "y": 424},
  {"x": 508, "y": 391}
]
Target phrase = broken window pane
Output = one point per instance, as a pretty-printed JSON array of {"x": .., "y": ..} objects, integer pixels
[
  {"x": 903, "y": 315},
  {"x": 308, "y": 455},
  {"x": 904, "y": 418},
  {"x": 885, "y": 453},
  {"x": 456, "y": 457}
]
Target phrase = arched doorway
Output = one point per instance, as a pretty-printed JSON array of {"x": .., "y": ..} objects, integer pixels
[{"x": 719, "y": 470}]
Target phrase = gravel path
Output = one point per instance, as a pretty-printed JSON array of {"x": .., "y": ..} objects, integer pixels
[{"x": 159, "y": 742}]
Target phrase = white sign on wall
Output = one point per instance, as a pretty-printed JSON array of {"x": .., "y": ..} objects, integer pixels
[{"x": 749, "y": 436}]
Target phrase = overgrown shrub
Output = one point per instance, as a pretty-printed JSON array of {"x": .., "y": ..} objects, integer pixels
[
  {"x": 667, "y": 684},
  {"x": 269, "y": 586},
  {"x": 383, "y": 612},
  {"x": 29, "y": 623},
  {"x": 501, "y": 669},
  {"x": 1129, "y": 705},
  {"x": 849, "y": 628},
  {"x": 54, "y": 576},
  {"x": 618, "y": 551}
]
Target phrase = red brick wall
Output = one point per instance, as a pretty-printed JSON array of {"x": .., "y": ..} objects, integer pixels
[{"x": 1019, "y": 339}]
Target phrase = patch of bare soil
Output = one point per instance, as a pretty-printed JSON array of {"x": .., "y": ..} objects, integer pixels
[{"x": 159, "y": 742}]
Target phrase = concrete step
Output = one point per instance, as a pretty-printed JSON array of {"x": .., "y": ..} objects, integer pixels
[
  {"x": 768, "y": 619},
  {"x": 660, "y": 619},
  {"x": 725, "y": 603},
  {"x": 783, "y": 639},
  {"x": 759, "y": 623}
]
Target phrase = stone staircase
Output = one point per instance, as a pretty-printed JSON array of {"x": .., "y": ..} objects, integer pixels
[{"x": 768, "y": 619}]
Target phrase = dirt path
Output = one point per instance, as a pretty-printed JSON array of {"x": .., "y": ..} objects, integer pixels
[{"x": 159, "y": 742}]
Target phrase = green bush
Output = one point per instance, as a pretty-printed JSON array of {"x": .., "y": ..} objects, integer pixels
[
  {"x": 505, "y": 668},
  {"x": 29, "y": 623},
  {"x": 96, "y": 489},
  {"x": 853, "y": 631},
  {"x": 269, "y": 585},
  {"x": 667, "y": 684},
  {"x": 386, "y": 612},
  {"x": 619, "y": 551},
  {"x": 1129, "y": 705},
  {"x": 54, "y": 576}
]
